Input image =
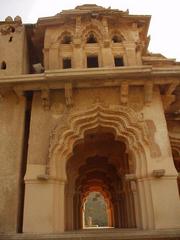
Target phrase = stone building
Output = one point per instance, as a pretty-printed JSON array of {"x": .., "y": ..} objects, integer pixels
[{"x": 84, "y": 107}]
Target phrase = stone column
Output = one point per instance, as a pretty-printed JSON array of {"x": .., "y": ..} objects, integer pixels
[
  {"x": 136, "y": 204},
  {"x": 107, "y": 56},
  {"x": 130, "y": 48},
  {"x": 166, "y": 204},
  {"x": 44, "y": 202},
  {"x": 54, "y": 57},
  {"x": 145, "y": 203},
  {"x": 12, "y": 122},
  {"x": 78, "y": 58},
  {"x": 69, "y": 211},
  {"x": 46, "y": 58},
  {"x": 162, "y": 175}
]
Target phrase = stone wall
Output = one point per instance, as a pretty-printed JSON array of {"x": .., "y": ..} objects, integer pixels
[
  {"x": 14, "y": 52},
  {"x": 11, "y": 147}
]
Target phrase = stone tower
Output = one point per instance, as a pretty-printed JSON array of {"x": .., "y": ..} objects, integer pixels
[{"x": 85, "y": 108}]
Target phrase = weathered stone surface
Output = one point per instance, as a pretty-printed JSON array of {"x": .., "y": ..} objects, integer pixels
[{"x": 84, "y": 107}]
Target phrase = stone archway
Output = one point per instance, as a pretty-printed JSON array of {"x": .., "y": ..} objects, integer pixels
[
  {"x": 99, "y": 163},
  {"x": 125, "y": 126}
]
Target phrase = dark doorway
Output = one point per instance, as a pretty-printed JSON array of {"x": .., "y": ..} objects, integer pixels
[
  {"x": 92, "y": 62},
  {"x": 118, "y": 61},
  {"x": 66, "y": 63}
]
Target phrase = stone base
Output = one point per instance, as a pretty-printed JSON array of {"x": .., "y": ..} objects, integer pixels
[{"x": 100, "y": 234}]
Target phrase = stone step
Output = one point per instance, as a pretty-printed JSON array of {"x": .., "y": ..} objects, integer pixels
[{"x": 101, "y": 234}]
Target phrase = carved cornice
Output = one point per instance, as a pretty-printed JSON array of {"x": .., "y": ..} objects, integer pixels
[{"x": 133, "y": 75}]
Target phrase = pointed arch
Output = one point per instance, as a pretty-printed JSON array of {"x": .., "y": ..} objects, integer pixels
[
  {"x": 92, "y": 29},
  {"x": 66, "y": 38},
  {"x": 117, "y": 37},
  {"x": 123, "y": 122}
]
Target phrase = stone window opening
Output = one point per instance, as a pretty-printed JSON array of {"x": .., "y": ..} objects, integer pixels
[
  {"x": 10, "y": 39},
  {"x": 118, "y": 61},
  {"x": 92, "y": 61},
  {"x": 117, "y": 39},
  {"x": 91, "y": 38},
  {"x": 67, "y": 39},
  {"x": 3, "y": 65},
  {"x": 67, "y": 63}
]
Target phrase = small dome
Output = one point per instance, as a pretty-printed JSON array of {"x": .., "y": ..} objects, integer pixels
[
  {"x": 8, "y": 19},
  {"x": 18, "y": 19}
]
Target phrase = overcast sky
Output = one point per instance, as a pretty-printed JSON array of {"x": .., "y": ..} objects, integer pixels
[{"x": 164, "y": 28}]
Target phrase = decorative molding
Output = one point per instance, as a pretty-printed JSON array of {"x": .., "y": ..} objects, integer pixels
[
  {"x": 10, "y": 28},
  {"x": 168, "y": 98},
  {"x": 68, "y": 94},
  {"x": 123, "y": 121}
]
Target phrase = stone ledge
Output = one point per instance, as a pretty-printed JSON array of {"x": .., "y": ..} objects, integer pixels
[{"x": 101, "y": 234}]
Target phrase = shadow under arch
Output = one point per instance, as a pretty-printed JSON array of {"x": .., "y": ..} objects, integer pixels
[{"x": 92, "y": 28}]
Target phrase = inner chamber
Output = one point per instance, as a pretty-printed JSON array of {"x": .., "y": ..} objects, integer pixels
[{"x": 96, "y": 186}]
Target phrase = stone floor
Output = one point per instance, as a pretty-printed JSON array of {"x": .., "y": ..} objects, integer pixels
[{"x": 101, "y": 234}]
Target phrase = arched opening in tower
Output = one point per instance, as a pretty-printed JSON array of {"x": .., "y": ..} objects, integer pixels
[
  {"x": 95, "y": 211},
  {"x": 97, "y": 194}
]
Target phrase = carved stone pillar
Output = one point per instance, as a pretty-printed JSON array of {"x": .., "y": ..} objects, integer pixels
[
  {"x": 46, "y": 58},
  {"x": 131, "y": 53},
  {"x": 136, "y": 204},
  {"x": 44, "y": 203},
  {"x": 145, "y": 204},
  {"x": 107, "y": 57},
  {"x": 78, "y": 60},
  {"x": 76, "y": 206},
  {"x": 54, "y": 57},
  {"x": 69, "y": 216}
]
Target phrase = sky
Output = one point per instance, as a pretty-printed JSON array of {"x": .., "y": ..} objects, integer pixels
[{"x": 164, "y": 27}]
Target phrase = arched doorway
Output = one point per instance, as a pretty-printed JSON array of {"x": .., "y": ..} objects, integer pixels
[
  {"x": 122, "y": 127},
  {"x": 106, "y": 149},
  {"x": 100, "y": 163},
  {"x": 95, "y": 211}
]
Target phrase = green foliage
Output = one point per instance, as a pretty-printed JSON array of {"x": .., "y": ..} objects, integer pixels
[{"x": 96, "y": 210}]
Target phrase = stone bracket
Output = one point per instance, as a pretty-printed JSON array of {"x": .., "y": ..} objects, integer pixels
[
  {"x": 171, "y": 88},
  {"x": 148, "y": 92},
  {"x": 45, "y": 97},
  {"x": 168, "y": 98},
  {"x": 68, "y": 94},
  {"x": 124, "y": 93}
]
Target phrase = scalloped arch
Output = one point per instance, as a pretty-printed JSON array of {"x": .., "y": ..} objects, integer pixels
[
  {"x": 122, "y": 120},
  {"x": 92, "y": 28},
  {"x": 119, "y": 34}
]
